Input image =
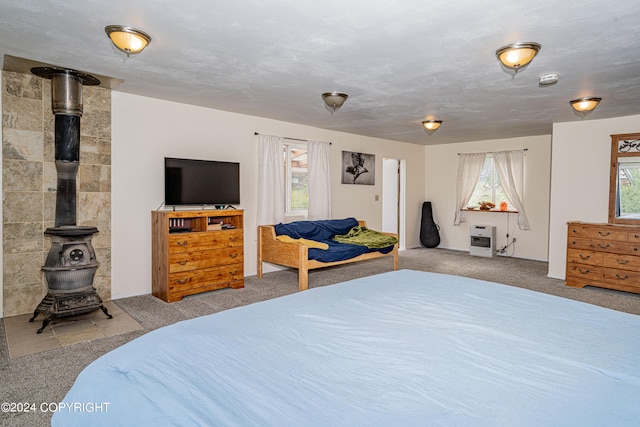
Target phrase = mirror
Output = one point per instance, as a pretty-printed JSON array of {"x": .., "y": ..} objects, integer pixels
[{"x": 624, "y": 182}]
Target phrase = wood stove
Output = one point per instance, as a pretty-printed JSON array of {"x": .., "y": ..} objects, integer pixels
[{"x": 71, "y": 262}]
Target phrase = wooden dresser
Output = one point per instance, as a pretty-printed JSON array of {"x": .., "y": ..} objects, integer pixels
[
  {"x": 603, "y": 255},
  {"x": 196, "y": 251}
]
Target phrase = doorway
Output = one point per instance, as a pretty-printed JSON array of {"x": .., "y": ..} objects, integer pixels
[{"x": 393, "y": 198}]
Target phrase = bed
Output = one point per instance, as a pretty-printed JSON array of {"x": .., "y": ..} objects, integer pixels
[
  {"x": 295, "y": 254},
  {"x": 402, "y": 348}
]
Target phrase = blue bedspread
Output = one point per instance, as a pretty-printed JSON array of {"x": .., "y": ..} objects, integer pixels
[
  {"x": 404, "y": 348},
  {"x": 324, "y": 231}
]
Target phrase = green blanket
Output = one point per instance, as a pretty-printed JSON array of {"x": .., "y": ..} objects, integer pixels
[{"x": 362, "y": 236}]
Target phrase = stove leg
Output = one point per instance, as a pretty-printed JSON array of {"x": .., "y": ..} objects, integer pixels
[
  {"x": 35, "y": 314},
  {"x": 45, "y": 322},
  {"x": 104, "y": 309}
]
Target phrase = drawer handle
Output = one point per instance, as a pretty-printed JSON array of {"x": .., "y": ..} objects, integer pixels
[
  {"x": 182, "y": 243},
  {"x": 574, "y": 231},
  {"x": 182, "y": 282},
  {"x": 233, "y": 239},
  {"x": 585, "y": 257},
  {"x": 233, "y": 255},
  {"x": 625, "y": 277},
  {"x": 636, "y": 236},
  {"x": 622, "y": 261},
  {"x": 233, "y": 272},
  {"x": 583, "y": 271},
  {"x": 183, "y": 262},
  {"x": 600, "y": 245},
  {"x": 604, "y": 234}
]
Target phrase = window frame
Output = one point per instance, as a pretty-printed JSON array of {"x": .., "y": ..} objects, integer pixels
[
  {"x": 288, "y": 178},
  {"x": 494, "y": 178}
]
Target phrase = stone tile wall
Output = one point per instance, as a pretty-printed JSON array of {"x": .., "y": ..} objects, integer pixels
[{"x": 30, "y": 180}]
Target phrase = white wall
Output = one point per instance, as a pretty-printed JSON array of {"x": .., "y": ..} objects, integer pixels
[
  {"x": 441, "y": 165},
  {"x": 145, "y": 130},
  {"x": 581, "y": 157}
]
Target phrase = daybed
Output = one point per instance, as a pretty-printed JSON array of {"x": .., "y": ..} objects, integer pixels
[
  {"x": 300, "y": 251},
  {"x": 403, "y": 348}
]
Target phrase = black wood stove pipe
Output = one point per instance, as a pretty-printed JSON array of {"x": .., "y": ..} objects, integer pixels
[{"x": 66, "y": 99}]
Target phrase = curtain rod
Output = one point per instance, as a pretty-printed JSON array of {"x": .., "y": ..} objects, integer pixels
[
  {"x": 292, "y": 139},
  {"x": 522, "y": 149}
]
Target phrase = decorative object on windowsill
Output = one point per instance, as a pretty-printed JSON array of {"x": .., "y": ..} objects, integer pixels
[
  {"x": 430, "y": 126},
  {"x": 127, "y": 39},
  {"x": 504, "y": 206},
  {"x": 585, "y": 105},
  {"x": 487, "y": 206},
  {"x": 334, "y": 100},
  {"x": 516, "y": 56}
]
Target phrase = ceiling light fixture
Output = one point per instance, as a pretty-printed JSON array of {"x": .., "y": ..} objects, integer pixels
[
  {"x": 334, "y": 100},
  {"x": 127, "y": 39},
  {"x": 431, "y": 126},
  {"x": 516, "y": 56},
  {"x": 585, "y": 105}
]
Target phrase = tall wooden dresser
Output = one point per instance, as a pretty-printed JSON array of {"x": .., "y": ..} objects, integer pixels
[
  {"x": 603, "y": 255},
  {"x": 196, "y": 251}
]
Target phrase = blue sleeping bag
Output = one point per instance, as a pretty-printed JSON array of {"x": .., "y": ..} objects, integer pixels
[{"x": 324, "y": 231}]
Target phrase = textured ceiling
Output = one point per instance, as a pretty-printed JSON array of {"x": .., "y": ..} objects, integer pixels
[{"x": 400, "y": 61}]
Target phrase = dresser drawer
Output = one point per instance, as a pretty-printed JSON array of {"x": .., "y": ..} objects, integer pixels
[
  {"x": 584, "y": 271},
  {"x": 620, "y": 261},
  {"x": 584, "y": 256},
  {"x": 599, "y": 233},
  {"x": 203, "y": 241},
  {"x": 604, "y": 246},
  {"x": 621, "y": 277},
  {"x": 224, "y": 275},
  {"x": 204, "y": 259}
]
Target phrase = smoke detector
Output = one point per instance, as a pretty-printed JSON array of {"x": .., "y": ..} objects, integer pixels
[{"x": 548, "y": 79}]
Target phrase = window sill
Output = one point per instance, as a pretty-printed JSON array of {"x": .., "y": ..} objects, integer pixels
[{"x": 488, "y": 210}]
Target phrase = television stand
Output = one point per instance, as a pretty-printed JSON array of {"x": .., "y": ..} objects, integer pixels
[{"x": 196, "y": 251}]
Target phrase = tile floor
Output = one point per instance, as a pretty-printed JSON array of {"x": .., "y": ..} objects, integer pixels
[{"x": 22, "y": 338}]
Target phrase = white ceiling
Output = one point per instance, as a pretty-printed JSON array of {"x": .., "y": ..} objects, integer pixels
[{"x": 400, "y": 61}]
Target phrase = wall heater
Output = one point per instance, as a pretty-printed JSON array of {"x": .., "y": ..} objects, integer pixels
[{"x": 482, "y": 240}]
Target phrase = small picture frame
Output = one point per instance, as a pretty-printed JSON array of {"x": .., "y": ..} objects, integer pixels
[{"x": 358, "y": 168}]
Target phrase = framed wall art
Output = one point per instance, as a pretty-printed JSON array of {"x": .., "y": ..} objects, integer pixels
[{"x": 358, "y": 168}]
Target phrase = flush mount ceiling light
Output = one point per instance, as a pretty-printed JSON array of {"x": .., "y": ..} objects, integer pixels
[
  {"x": 516, "y": 56},
  {"x": 431, "y": 126},
  {"x": 127, "y": 39},
  {"x": 334, "y": 100},
  {"x": 585, "y": 105}
]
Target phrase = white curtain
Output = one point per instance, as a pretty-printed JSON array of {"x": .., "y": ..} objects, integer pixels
[
  {"x": 318, "y": 180},
  {"x": 469, "y": 168},
  {"x": 270, "y": 180},
  {"x": 510, "y": 168}
]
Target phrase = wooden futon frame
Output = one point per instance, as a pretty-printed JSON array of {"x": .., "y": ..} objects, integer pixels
[{"x": 296, "y": 255}]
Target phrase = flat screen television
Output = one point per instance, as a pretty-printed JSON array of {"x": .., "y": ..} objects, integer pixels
[{"x": 201, "y": 182}]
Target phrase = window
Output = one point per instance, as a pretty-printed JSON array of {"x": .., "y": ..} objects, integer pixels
[
  {"x": 296, "y": 179},
  {"x": 488, "y": 188}
]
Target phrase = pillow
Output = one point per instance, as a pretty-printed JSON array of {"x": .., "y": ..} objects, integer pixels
[{"x": 306, "y": 242}]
